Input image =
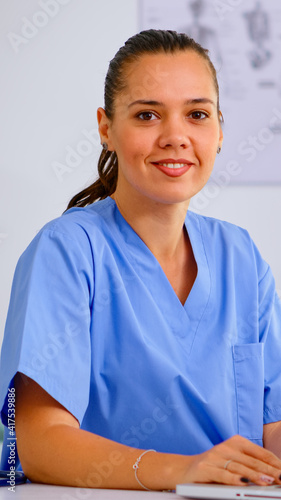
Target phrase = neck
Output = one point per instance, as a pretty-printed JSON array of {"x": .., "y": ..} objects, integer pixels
[{"x": 160, "y": 226}]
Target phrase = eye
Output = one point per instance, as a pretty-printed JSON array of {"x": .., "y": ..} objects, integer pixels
[
  {"x": 146, "y": 116},
  {"x": 198, "y": 115}
]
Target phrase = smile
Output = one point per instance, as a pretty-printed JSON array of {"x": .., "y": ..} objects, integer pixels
[
  {"x": 173, "y": 168},
  {"x": 173, "y": 165}
]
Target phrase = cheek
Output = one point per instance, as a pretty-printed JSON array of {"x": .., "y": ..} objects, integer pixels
[
  {"x": 133, "y": 147},
  {"x": 206, "y": 153},
  {"x": 131, "y": 155},
  {"x": 207, "y": 147}
]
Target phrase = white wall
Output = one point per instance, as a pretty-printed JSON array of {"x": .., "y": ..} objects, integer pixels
[{"x": 49, "y": 91}]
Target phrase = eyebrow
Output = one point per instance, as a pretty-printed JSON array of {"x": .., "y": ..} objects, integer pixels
[{"x": 188, "y": 102}]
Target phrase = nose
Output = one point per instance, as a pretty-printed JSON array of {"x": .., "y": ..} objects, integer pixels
[{"x": 174, "y": 134}]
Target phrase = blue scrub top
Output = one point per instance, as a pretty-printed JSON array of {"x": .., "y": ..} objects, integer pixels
[{"x": 94, "y": 320}]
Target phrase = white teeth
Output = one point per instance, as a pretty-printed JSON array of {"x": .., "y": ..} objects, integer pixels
[{"x": 173, "y": 165}]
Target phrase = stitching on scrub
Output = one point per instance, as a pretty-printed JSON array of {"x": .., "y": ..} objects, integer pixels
[
  {"x": 221, "y": 221},
  {"x": 100, "y": 214},
  {"x": 103, "y": 208},
  {"x": 206, "y": 256},
  {"x": 114, "y": 229},
  {"x": 269, "y": 411},
  {"x": 55, "y": 232},
  {"x": 265, "y": 274},
  {"x": 251, "y": 432},
  {"x": 236, "y": 394},
  {"x": 255, "y": 440},
  {"x": 247, "y": 356}
]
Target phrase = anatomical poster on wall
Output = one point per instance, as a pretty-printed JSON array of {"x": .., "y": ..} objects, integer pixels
[{"x": 244, "y": 42}]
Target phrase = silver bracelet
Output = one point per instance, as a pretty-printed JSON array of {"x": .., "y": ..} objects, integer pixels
[{"x": 136, "y": 466}]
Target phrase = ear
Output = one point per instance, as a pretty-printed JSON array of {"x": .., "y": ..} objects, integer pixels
[
  {"x": 104, "y": 128},
  {"x": 220, "y": 131},
  {"x": 220, "y": 138}
]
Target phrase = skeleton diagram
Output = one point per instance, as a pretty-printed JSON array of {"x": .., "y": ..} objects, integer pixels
[
  {"x": 203, "y": 34},
  {"x": 259, "y": 32}
]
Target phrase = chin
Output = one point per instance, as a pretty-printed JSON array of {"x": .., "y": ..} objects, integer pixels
[{"x": 172, "y": 199}]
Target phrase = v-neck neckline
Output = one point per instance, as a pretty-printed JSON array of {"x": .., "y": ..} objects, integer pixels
[{"x": 184, "y": 318}]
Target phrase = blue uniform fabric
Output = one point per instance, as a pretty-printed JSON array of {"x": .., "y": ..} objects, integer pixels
[{"x": 94, "y": 320}]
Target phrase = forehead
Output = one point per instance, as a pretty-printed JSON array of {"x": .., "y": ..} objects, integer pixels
[{"x": 183, "y": 73}]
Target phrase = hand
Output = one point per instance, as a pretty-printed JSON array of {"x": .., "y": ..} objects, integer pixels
[{"x": 236, "y": 461}]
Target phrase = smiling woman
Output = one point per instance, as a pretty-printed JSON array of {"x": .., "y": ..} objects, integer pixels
[
  {"x": 122, "y": 84},
  {"x": 124, "y": 333},
  {"x": 175, "y": 123}
]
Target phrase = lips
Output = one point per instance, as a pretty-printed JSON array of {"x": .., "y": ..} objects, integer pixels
[{"x": 172, "y": 167}]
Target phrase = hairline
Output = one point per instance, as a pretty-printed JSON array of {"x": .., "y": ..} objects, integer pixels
[{"x": 173, "y": 51}]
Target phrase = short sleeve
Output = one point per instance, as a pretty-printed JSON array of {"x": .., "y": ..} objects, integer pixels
[
  {"x": 270, "y": 335},
  {"x": 47, "y": 334}
]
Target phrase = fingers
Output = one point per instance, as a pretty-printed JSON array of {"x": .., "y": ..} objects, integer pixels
[
  {"x": 236, "y": 461},
  {"x": 253, "y": 450},
  {"x": 202, "y": 471},
  {"x": 228, "y": 477},
  {"x": 257, "y": 470},
  {"x": 255, "y": 475},
  {"x": 259, "y": 465}
]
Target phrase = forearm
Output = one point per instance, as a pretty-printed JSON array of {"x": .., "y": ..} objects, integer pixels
[{"x": 73, "y": 457}]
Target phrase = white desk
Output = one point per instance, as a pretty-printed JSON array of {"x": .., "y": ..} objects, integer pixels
[{"x": 46, "y": 492}]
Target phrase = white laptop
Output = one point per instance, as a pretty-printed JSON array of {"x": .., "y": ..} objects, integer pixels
[{"x": 224, "y": 492}]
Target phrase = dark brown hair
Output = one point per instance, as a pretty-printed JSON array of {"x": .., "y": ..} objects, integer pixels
[{"x": 146, "y": 42}]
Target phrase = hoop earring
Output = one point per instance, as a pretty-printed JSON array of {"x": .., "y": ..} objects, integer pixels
[
  {"x": 105, "y": 146},
  {"x": 218, "y": 150}
]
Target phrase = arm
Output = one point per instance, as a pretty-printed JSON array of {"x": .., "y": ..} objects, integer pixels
[
  {"x": 272, "y": 437},
  {"x": 54, "y": 450}
]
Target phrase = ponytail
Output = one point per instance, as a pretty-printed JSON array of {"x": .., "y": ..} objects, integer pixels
[{"x": 104, "y": 186}]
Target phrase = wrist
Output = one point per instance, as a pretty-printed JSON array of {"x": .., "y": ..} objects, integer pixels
[
  {"x": 176, "y": 469},
  {"x": 160, "y": 471}
]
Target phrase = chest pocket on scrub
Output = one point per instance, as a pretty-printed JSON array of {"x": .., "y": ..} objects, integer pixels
[{"x": 249, "y": 380}]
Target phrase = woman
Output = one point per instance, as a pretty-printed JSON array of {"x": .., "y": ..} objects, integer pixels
[{"x": 126, "y": 312}]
